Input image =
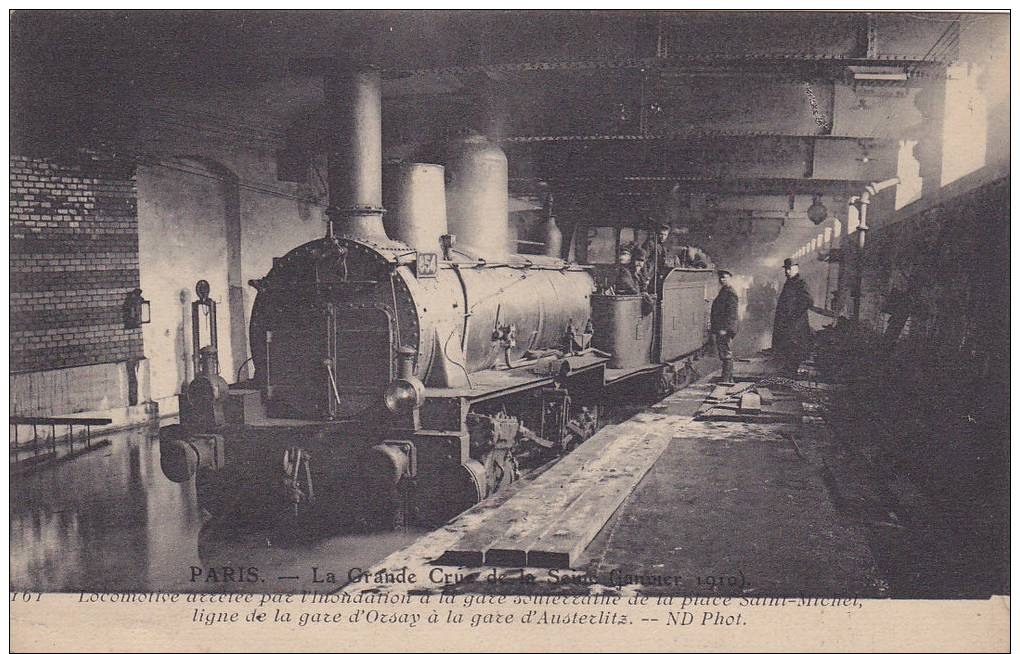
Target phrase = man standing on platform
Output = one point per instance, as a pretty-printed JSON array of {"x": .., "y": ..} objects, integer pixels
[
  {"x": 791, "y": 333},
  {"x": 724, "y": 323}
]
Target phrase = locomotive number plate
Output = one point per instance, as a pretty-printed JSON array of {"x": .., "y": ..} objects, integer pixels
[{"x": 427, "y": 264}]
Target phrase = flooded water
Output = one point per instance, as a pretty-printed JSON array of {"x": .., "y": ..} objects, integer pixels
[{"x": 109, "y": 520}]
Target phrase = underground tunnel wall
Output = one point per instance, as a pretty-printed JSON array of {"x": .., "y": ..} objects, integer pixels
[
  {"x": 948, "y": 250},
  {"x": 931, "y": 401},
  {"x": 85, "y": 231},
  {"x": 210, "y": 206},
  {"x": 74, "y": 259}
]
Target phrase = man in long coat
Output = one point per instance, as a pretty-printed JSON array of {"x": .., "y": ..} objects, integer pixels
[{"x": 791, "y": 333}]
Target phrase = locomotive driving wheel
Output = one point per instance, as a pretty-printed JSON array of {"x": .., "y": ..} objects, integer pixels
[{"x": 493, "y": 438}]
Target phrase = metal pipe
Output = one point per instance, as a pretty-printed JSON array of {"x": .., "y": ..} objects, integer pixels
[
  {"x": 864, "y": 200},
  {"x": 861, "y": 203},
  {"x": 354, "y": 107},
  {"x": 875, "y": 187},
  {"x": 553, "y": 235}
]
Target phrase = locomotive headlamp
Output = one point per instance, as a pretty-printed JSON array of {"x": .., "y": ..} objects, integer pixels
[
  {"x": 405, "y": 393},
  {"x": 202, "y": 290}
]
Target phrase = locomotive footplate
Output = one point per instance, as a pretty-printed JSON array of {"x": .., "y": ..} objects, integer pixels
[{"x": 447, "y": 408}]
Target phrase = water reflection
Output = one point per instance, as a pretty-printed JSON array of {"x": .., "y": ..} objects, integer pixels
[{"x": 109, "y": 520}]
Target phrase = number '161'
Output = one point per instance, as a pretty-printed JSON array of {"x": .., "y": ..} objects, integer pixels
[{"x": 26, "y": 597}]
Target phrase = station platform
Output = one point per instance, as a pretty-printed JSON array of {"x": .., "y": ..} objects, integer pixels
[{"x": 720, "y": 501}]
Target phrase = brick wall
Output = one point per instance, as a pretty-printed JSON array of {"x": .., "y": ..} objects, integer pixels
[{"x": 74, "y": 258}]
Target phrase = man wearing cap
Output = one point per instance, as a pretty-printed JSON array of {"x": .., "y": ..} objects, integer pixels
[
  {"x": 626, "y": 282},
  {"x": 639, "y": 268},
  {"x": 724, "y": 323},
  {"x": 791, "y": 333}
]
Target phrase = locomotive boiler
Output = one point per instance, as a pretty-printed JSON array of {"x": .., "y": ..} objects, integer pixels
[{"x": 408, "y": 363}]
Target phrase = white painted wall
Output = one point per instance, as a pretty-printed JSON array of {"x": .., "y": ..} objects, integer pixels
[
  {"x": 181, "y": 239},
  {"x": 965, "y": 125}
]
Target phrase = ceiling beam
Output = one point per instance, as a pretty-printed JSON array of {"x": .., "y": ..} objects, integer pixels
[
  {"x": 691, "y": 133},
  {"x": 637, "y": 186},
  {"x": 708, "y": 65}
]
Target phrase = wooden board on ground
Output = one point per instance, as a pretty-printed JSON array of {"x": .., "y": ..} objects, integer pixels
[
  {"x": 470, "y": 549},
  {"x": 544, "y": 498},
  {"x": 811, "y": 408},
  {"x": 760, "y": 419},
  {"x": 542, "y": 503},
  {"x": 750, "y": 403},
  {"x": 563, "y": 543},
  {"x": 719, "y": 392},
  {"x": 550, "y": 507}
]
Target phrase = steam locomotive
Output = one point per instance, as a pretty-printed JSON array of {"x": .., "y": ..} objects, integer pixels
[{"x": 409, "y": 363}]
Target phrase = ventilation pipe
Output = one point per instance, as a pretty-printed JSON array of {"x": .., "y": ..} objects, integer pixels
[
  {"x": 861, "y": 203},
  {"x": 354, "y": 111},
  {"x": 415, "y": 195},
  {"x": 864, "y": 200}
]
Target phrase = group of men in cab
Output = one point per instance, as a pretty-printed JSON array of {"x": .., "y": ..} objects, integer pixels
[{"x": 641, "y": 266}]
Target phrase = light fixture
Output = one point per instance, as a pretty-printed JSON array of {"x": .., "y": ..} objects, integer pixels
[
  {"x": 877, "y": 73},
  {"x": 136, "y": 310},
  {"x": 817, "y": 212},
  {"x": 865, "y": 152}
]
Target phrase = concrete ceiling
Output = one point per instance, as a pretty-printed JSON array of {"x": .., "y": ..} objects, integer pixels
[{"x": 615, "y": 111}]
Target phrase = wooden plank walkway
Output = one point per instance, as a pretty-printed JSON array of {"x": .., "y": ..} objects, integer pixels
[
  {"x": 523, "y": 509},
  {"x": 556, "y": 516},
  {"x": 563, "y": 541}
]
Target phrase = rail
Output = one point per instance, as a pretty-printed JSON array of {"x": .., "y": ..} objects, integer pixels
[{"x": 53, "y": 423}]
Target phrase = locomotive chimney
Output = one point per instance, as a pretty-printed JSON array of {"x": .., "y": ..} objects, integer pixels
[{"x": 354, "y": 109}]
